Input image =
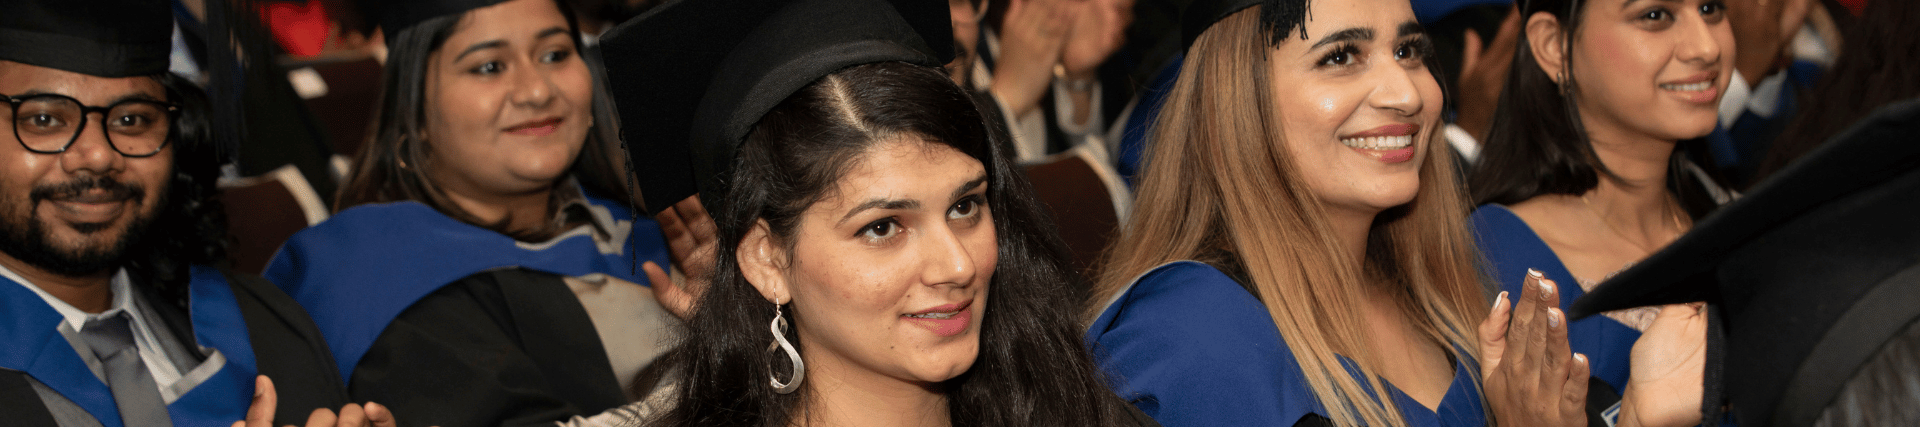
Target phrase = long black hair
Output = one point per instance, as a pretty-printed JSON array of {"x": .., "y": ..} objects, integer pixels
[
  {"x": 1032, "y": 369},
  {"x": 1539, "y": 146},
  {"x": 390, "y": 167},
  {"x": 191, "y": 227}
]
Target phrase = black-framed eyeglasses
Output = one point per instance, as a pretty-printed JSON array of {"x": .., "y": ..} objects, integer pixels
[{"x": 50, "y": 123}]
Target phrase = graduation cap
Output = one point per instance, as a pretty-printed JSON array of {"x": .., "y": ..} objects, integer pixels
[
  {"x": 1281, "y": 17},
  {"x": 396, "y": 15},
  {"x": 1808, "y": 275},
  {"x": 691, "y": 78},
  {"x": 105, "y": 38}
]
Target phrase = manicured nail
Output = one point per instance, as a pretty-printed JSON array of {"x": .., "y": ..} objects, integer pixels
[
  {"x": 1499, "y": 302},
  {"x": 1535, "y": 274},
  {"x": 1553, "y": 317},
  {"x": 1580, "y": 357},
  {"x": 1546, "y": 290}
]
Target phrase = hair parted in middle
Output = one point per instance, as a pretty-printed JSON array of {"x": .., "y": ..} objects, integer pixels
[
  {"x": 1220, "y": 187},
  {"x": 1538, "y": 144},
  {"x": 390, "y": 167},
  {"x": 1032, "y": 369}
]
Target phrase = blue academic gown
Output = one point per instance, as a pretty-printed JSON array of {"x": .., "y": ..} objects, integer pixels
[
  {"x": 356, "y": 272},
  {"x": 33, "y": 345},
  {"x": 1510, "y": 248},
  {"x": 1190, "y": 347}
]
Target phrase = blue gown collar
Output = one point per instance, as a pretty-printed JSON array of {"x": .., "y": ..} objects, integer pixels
[
  {"x": 358, "y": 271},
  {"x": 35, "y": 346}
]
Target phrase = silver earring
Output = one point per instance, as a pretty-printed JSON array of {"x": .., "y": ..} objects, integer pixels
[{"x": 779, "y": 328}]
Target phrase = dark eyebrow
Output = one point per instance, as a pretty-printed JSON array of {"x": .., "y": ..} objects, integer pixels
[
  {"x": 1346, "y": 35},
  {"x": 479, "y": 47},
  {"x": 969, "y": 186},
  {"x": 550, "y": 32},
  {"x": 1629, "y": 3},
  {"x": 136, "y": 97},
  {"x": 890, "y": 204},
  {"x": 1411, "y": 28},
  {"x": 899, "y": 204}
]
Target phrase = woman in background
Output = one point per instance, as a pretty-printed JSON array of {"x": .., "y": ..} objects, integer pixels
[
  {"x": 1586, "y": 169},
  {"x": 481, "y": 269}
]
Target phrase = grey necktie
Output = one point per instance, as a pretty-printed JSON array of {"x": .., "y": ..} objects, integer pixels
[{"x": 134, "y": 391}]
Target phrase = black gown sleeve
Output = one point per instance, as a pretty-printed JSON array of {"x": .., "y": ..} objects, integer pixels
[
  {"x": 19, "y": 404},
  {"x": 504, "y": 347},
  {"x": 288, "y": 348}
]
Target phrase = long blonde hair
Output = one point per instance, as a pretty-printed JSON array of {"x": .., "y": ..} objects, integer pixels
[{"x": 1219, "y": 179}]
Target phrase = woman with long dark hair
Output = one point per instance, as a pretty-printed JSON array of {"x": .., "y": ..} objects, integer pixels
[
  {"x": 1586, "y": 170},
  {"x": 881, "y": 259},
  {"x": 482, "y": 268}
]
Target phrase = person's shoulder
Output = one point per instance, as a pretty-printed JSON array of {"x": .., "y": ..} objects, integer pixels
[
  {"x": 1191, "y": 346},
  {"x": 1494, "y": 215},
  {"x": 1187, "y": 281},
  {"x": 1193, "y": 308}
]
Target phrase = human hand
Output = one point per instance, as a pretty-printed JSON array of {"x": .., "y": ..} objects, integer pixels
[
  {"x": 1668, "y": 364},
  {"x": 1761, "y": 30},
  {"x": 1531, "y": 376},
  {"x": 1483, "y": 74},
  {"x": 1032, "y": 35},
  {"x": 260, "y": 412},
  {"x": 1099, "y": 28},
  {"x": 691, "y": 237}
]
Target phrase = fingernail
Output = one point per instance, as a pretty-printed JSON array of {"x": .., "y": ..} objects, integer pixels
[
  {"x": 1546, "y": 290},
  {"x": 1580, "y": 357},
  {"x": 1553, "y": 317},
  {"x": 1499, "y": 302},
  {"x": 1535, "y": 274}
]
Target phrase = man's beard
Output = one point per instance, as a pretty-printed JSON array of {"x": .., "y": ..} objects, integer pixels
[{"x": 29, "y": 239}]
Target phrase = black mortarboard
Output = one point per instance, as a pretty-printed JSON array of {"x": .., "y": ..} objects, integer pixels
[
  {"x": 396, "y": 15},
  {"x": 1810, "y": 273},
  {"x": 1280, "y": 17},
  {"x": 691, "y": 78},
  {"x": 105, "y": 38}
]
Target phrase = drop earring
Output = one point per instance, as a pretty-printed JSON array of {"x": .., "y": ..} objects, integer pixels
[{"x": 779, "y": 329}]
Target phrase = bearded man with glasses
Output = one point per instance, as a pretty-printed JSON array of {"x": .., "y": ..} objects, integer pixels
[{"x": 111, "y": 311}]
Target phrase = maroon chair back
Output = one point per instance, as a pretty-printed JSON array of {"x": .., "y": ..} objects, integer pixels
[{"x": 1083, "y": 208}]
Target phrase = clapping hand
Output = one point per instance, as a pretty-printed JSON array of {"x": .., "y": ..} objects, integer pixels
[
  {"x": 1532, "y": 377},
  {"x": 260, "y": 413}
]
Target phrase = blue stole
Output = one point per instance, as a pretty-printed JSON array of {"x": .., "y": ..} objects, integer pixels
[
  {"x": 34, "y": 345},
  {"x": 360, "y": 269}
]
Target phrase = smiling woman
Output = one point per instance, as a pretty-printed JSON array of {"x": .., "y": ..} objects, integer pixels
[
  {"x": 1587, "y": 170},
  {"x": 881, "y": 260},
  {"x": 1298, "y": 254},
  {"x": 482, "y": 270}
]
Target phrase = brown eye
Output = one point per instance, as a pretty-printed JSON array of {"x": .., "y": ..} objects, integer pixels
[
  {"x": 489, "y": 68},
  {"x": 880, "y": 229},
  {"x": 964, "y": 209}
]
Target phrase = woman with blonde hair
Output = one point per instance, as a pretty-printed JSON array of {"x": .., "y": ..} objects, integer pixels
[{"x": 1298, "y": 252}]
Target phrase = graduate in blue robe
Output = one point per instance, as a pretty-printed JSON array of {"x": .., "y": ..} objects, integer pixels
[
  {"x": 1193, "y": 347},
  {"x": 453, "y": 320},
  {"x": 111, "y": 311},
  {"x": 242, "y": 323}
]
